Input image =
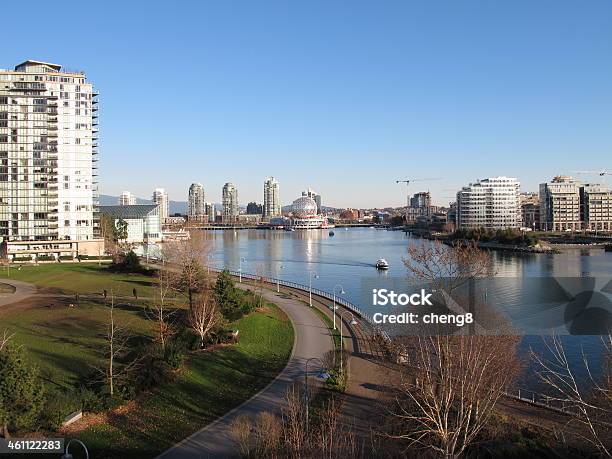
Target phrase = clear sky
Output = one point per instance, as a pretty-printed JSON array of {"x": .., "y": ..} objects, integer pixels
[{"x": 345, "y": 97}]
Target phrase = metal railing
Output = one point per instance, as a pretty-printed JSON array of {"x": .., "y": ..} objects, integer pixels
[
  {"x": 523, "y": 395},
  {"x": 542, "y": 400}
]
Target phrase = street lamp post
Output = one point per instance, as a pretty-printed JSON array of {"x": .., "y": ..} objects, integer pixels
[
  {"x": 352, "y": 322},
  {"x": 342, "y": 292},
  {"x": 240, "y": 269},
  {"x": 316, "y": 276},
  {"x": 279, "y": 267}
]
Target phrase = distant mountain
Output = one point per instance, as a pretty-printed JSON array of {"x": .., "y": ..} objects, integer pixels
[{"x": 176, "y": 207}]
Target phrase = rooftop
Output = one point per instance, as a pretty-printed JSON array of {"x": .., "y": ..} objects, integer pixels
[
  {"x": 128, "y": 212},
  {"x": 30, "y": 63}
]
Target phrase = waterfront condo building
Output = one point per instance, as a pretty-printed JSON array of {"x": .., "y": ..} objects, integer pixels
[
  {"x": 491, "y": 203},
  {"x": 160, "y": 197},
  {"x": 127, "y": 199},
  {"x": 560, "y": 205},
  {"x": 421, "y": 200},
  {"x": 196, "y": 202},
  {"x": 596, "y": 207},
  {"x": 271, "y": 199},
  {"x": 48, "y": 155},
  {"x": 230, "y": 203}
]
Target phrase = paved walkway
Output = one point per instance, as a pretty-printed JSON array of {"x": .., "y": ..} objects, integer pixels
[
  {"x": 22, "y": 291},
  {"x": 368, "y": 378},
  {"x": 312, "y": 339}
]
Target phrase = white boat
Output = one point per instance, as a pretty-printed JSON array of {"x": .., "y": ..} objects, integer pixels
[{"x": 381, "y": 263}]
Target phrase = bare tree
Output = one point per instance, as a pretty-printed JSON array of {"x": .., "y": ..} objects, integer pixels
[
  {"x": 5, "y": 339},
  {"x": 295, "y": 430},
  {"x": 240, "y": 430},
  {"x": 159, "y": 311},
  {"x": 449, "y": 391},
  {"x": 203, "y": 316},
  {"x": 260, "y": 283},
  {"x": 448, "y": 267},
  {"x": 187, "y": 257},
  {"x": 329, "y": 440},
  {"x": 116, "y": 338},
  {"x": 590, "y": 401},
  {"x": 268, "y": 434}
]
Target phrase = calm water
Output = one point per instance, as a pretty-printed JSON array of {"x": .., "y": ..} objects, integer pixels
[{"x": 349, "y": 256}]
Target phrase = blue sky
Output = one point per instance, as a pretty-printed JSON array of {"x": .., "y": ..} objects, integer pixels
[{"x": 345, "y": 97}]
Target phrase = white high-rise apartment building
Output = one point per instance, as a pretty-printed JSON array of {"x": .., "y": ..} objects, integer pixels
[
  {"x": 127, "y": 199},
  {"x": 48, "y": 148},
  {"x": 230, "y": 203},
  {"x": 560, "y": 205},
  {"x": 491, "y": 203},
  {"x": 271, "y": 198},
  {"x": 160, "y": 197},
  {"x": 196, "y": 201}
]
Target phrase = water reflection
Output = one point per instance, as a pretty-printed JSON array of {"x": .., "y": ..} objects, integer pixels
[{"x": 349, "y": 256}]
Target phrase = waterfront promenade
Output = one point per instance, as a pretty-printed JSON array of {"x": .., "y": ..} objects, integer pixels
[{"x": 312, "y": 340}]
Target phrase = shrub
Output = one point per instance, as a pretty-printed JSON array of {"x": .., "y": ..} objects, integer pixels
[
  {"x": 188, "y": 340},
  {"x": 174, "y": 355},
  {"x": 57, "y": 407},
  {"x": 154, "y": 371},
  {"x": 92, "y": 400},
  {"x": 45, "y": 258},
  {"x": 21, "y": 391},
  {"x": 22, "y": 258},
  {"x": 128, "y": 263}
]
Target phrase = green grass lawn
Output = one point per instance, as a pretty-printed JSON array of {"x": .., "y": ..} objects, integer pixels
[
  {"x": 66, "y": 342},
  {"x": 83, "y": 278},
  {"x": 209, "y": 386}
]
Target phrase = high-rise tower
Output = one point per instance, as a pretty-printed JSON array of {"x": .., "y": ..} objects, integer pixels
[
  {"x": 230, "y": 203},
  {"x": 48, "y": 148},
  {"x": 271, "y": 198}
]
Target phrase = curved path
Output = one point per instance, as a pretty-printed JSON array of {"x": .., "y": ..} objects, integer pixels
[
  {"x": 312, "y": 339},
  {"x": 22, "y": 291}
]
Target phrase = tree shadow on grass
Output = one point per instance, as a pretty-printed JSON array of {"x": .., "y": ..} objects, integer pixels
[
  {"x": 72, "y": 365},
  {"x": 211, "y": 386}
]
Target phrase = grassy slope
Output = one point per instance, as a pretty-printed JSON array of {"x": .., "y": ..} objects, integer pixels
[
  {"x": 82, "y": 278},
  {"x": 65, "y": 342},
  {"x": 211, "y": 385}
]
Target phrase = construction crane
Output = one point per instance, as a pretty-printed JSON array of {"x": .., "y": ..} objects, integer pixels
[
  {"x": 407, "y": 182},
  {"x": 601, "y": 173}
]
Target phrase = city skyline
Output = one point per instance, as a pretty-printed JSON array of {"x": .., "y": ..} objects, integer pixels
[{"x": 440, "y": 91}]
